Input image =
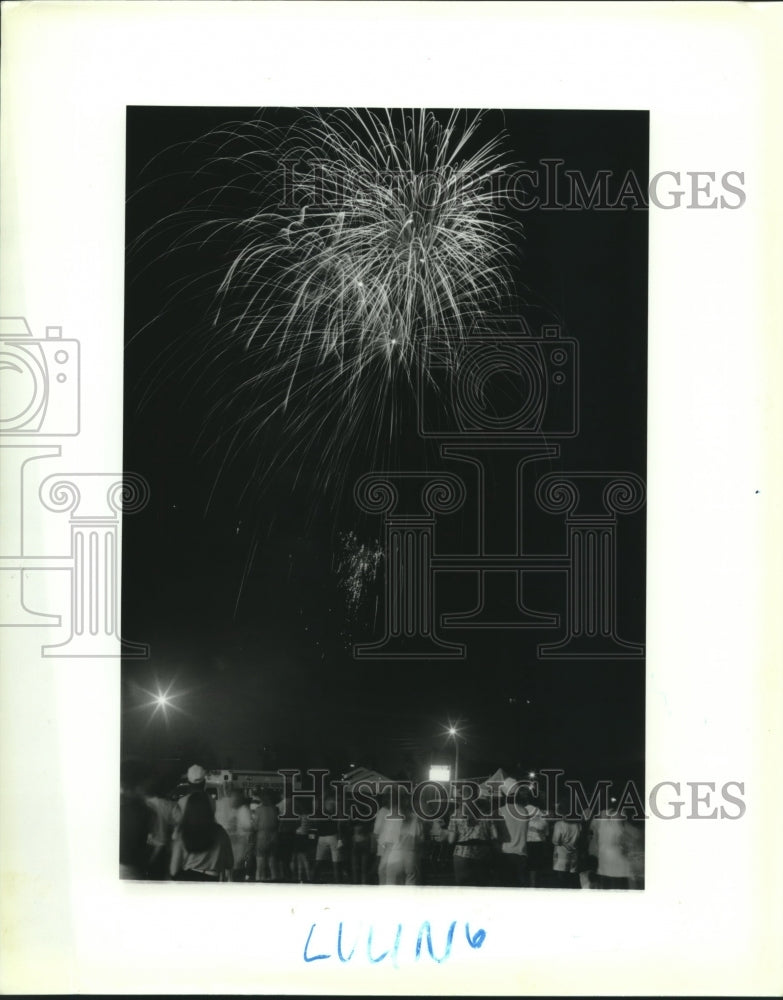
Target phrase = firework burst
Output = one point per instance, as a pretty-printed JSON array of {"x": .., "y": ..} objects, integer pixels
[
  {"x": 324, "y": 265},
  {"x": 357, "y": 567},
  {"x": 374, "y": 242},
  {"x": 401, "y": 245},
  {"x": 335, "y": 259}
]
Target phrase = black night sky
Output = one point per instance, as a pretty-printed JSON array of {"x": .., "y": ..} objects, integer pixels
[{"x": 231, "y": 579}]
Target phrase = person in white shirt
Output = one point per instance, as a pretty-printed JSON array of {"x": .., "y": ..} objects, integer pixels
[
  {"x": 235, "y": 817},
  {"x": 386, "y": 832},
  {"x": 403, "y": 857},
  {"x": 265, "y": 826},
  {"x": 608, "y": 842},
  {"x": 517, "y": 813},
  {"x": 566, "y": 839}
]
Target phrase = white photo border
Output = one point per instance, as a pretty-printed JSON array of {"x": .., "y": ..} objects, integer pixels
[{"x": 709, "y": 919}]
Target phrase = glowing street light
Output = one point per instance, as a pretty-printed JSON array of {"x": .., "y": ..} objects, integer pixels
[
  {"x": 454, "y": 733},
  {"x": 162, "y": 700}
]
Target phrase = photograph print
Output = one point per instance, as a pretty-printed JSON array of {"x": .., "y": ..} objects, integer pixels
[{"x": 385, "y": 394}]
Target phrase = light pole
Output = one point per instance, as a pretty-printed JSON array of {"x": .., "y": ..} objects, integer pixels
[
  {"x": 453, "y": 732},
  {"x": 160, "y": 704},
  {"x": 162, "y": 701}
]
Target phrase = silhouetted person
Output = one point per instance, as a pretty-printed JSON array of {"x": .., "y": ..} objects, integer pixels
[
  {"x": 517, "y": 813},
  {"x": 473, "y": 838},
  {"x": 134, "y": 821},
  {"x": 266, "y": 823},
  {"x": 201, "y": 850},
  {"x": 329, "y": 841},
  {"x": 197, "y": 782},
  {"x": 162, "y": 824}
]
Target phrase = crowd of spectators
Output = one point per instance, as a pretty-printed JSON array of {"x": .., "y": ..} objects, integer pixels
[{"x": 261, "y": 838}]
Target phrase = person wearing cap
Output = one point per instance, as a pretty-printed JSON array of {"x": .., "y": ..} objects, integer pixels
[{"x": 197, "y": 781}]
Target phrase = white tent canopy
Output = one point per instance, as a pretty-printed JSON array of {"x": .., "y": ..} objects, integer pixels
[
  {"x": 366, "y": 776},
  {"x": 491, "y": 785}
]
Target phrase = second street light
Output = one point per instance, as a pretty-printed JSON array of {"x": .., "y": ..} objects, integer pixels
[{"x": 454, "y": 732}]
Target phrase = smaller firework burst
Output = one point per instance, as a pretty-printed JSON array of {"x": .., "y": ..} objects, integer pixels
[{"x": 357, "y": 567}]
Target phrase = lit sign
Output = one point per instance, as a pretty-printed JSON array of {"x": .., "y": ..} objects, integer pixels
[{"x": 440, "y": 772}]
